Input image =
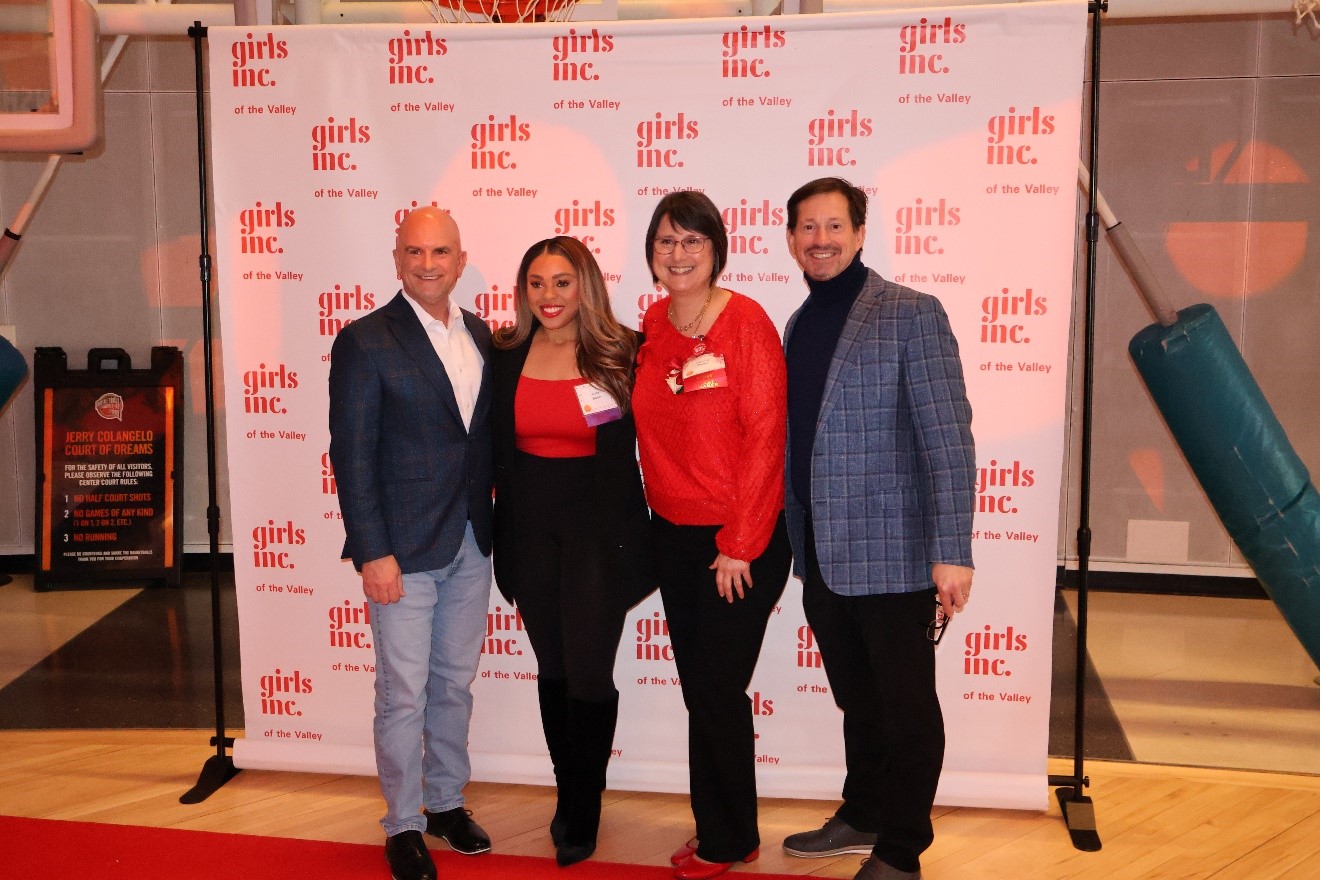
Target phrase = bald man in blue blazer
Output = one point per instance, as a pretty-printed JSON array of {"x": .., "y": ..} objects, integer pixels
[
  {"x": 411, "y": 448},
  {"x": 880, "y": 491}
]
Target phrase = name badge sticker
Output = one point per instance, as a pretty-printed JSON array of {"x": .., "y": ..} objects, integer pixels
[
  {"x": 704, "y": 371},
  {"x": 598, "y": 405}
]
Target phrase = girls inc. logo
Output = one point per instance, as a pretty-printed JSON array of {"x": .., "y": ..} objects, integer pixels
[
  {"x": 996, "y": 484},
  {"x": 484, "y": 134},
  {"x": 249, "y": 55},
  {"x": 265, "y": 540},
  {"x": 824, "y": 132},
  {"x": 741, "y": 220},
  {"x": 495, "y": 307},
  {"x": 1005, "y": 316},
  {"x": 256, "y": 225},
  {"x": 649, "y": 629},
  {"x": 916, "y": 42},
  {"x": 912, "y": 222},
  {"x": 564, "y": 65},
  {"x": 350, "y": 625},
  {"x": 404, "y": 51},
  {"x": 651, "y": 132},
  {"x": 575, "y": 218},
  {"x": 1009, "y": 133},
  {"x": 738, "y": 45},
  {"x": 278, "y": 690},
  {"x": 502, "y": 628},
  {"x": 258, "y": 388},
  {"x": 331, "y": 134},
  {"x": 987, "y": 651},
  {"x": 337, "y": 308}
]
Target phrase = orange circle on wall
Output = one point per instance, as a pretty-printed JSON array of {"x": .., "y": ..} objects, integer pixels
[{"x": 1229, "y": 258}]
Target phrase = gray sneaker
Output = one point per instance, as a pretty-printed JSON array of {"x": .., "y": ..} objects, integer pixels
[
  {"x": 835, "y": 838},
  {"x": 874, "y": 869}
]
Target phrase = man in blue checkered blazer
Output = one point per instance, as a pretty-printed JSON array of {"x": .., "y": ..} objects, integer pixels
[{"x": 880, "y": 492}]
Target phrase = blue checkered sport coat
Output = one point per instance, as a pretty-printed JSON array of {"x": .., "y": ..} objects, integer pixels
[{"x": 893, "y": 469}]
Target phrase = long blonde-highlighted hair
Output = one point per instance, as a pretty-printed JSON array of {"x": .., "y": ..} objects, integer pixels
[{"x": 605, "y": 350}]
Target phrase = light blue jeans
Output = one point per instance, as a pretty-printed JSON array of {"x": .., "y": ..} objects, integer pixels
[{"x": 424, "y": 694}]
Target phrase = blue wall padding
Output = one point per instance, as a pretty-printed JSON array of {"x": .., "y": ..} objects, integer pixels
[
  {"x": 1241, "y": 456},
  {"x": 12, "y": 370}
]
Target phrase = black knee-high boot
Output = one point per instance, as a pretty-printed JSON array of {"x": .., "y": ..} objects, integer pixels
[
  {"x": 591, "y": 741},
  {"x": 553, "y": 694}
]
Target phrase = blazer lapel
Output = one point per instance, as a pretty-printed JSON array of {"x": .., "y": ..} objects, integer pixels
[
  {"x": 854, "y": 329},
  {"x": 416, "y": 344}
]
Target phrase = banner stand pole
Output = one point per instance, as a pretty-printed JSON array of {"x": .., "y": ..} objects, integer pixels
[
  {"x": 219, "y": 768},
  {"x": 1078, "y": 809}
]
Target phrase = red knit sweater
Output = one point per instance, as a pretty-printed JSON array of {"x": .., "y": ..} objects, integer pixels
[{"x": 715, "y": 456}]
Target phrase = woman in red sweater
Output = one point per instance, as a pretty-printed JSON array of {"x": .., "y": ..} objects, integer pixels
[
  {"x": 710, "y": 405},
  {"x": 571, "y": 524}
]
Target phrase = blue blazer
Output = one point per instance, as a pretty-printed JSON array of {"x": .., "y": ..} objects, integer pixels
[
  {"x": 893, "y": 468},
  {"x": 410, "y": 475}
]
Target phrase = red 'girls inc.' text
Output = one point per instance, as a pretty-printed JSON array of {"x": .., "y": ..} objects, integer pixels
[
  {"x": 911, "y": 221},
  {"x": 404, "y": 53},
  {"x": 266, "y": 538},
  {"x": 259, "y": 384},
  {"x": 831, "y": 138},
  {"x": 994, "y": 482},
  {"x": 742, "y": 52},
  {"x": 251, "y": 56},
  {"x": 652, "y": 133},
  {"x": 330, "y": 134},
  {"x": 502, "y": 628},
  {"x": 568, "y": 54},
  {"x": 1013, "y": 134},
  {"x": 917, "y": 44}
]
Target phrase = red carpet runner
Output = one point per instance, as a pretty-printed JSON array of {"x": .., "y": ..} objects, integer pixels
[{"x": 43, "y": 849}]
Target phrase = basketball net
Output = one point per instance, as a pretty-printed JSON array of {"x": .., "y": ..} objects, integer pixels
[
  {"x": 1307, "y": 9},
  {"x": 501, "y": 10}
]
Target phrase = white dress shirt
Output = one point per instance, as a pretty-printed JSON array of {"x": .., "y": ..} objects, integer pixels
[{"x": 457, "y": 350}]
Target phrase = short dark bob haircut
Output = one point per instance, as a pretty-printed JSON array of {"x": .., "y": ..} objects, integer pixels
[{"x": 693, "y": 211}]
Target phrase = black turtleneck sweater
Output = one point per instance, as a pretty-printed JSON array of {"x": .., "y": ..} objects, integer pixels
[{"x": 810, "y": 350}]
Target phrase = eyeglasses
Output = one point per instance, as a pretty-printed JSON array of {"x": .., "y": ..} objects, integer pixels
[
  {"x": 935, "y": 629},
  {"x": 693, "y": 244}
]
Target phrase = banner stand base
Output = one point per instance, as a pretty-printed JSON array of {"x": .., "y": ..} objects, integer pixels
[
  {"x": 1079, "y": 816},
  {"x": 217, "y": 770}
]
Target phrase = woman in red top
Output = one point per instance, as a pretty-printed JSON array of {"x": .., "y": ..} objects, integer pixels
[
  {"x": 710, "y": 403},
  {"x": 571, "y": 524}
]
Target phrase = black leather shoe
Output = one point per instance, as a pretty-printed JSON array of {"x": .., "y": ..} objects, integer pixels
[
  {"x": 456, "y": 828},
  {"x": 835, "y": 838},
  {"x": 408, "y": 858}
]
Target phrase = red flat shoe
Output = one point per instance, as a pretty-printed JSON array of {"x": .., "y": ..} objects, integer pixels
[
  {"x": 684, "y": 852},
  {"x": 696, "y": 868}
]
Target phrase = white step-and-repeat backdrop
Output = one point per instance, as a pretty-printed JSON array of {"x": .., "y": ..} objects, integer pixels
[{"x": 963, "y": 126}]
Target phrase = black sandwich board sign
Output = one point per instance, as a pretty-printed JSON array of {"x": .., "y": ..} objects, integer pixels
[{"x": 109, "y": 469}]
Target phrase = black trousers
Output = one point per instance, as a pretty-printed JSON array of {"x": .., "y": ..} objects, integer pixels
[
  {"x": 716, "y": 645},
  {"x": 573, "y": 619},
  {"x": 881, "y": 668}
]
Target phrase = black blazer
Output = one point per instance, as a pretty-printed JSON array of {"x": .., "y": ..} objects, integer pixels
[
  {"x": 410, "y": 475},
  {"x": 619, "y": 513}
]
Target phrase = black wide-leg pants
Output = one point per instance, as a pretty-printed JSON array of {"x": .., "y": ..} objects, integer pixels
[{"x": 716, "y": 645}]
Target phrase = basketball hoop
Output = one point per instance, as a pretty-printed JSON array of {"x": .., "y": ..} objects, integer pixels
[
  {"x": 1307, "y": 9},
  {"x": 504, "y": 10}
]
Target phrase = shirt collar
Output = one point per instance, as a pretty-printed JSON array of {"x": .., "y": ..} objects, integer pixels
[{"x": 427, "y": 319}]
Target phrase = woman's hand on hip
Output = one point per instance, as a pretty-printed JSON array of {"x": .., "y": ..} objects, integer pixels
[{"x": 732, "y": 576}]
